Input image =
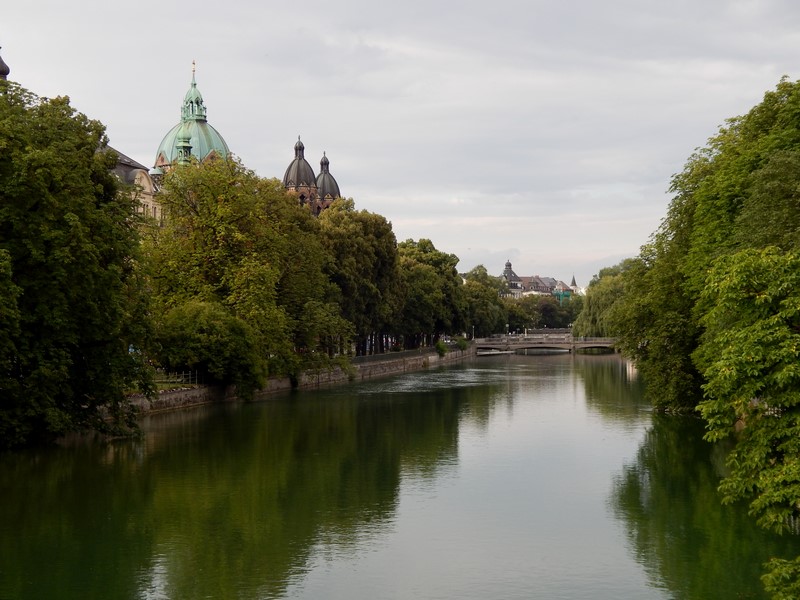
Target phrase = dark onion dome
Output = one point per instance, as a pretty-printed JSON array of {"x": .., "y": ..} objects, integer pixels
[
  {"x": 205, "y": 141},
  {"x": 299, "y": 173},
  {"x": 4, "y": 70},
  {"x": 326, "y": 184}
]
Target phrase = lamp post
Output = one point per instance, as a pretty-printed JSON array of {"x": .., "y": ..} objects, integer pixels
[{"x": 473, "y": 332}]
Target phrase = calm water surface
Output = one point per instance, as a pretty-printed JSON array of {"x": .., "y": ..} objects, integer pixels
[{"x": 508, "y": 477}]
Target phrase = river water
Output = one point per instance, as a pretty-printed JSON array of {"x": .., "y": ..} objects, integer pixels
[{"x": 505, "y": 477}]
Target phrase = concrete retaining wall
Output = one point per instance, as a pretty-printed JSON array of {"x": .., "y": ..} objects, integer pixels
[{"x": 391, "y": 365}]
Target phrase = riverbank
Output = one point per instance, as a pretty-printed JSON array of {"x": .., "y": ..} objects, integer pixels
[{"x": 363, "y": 368}]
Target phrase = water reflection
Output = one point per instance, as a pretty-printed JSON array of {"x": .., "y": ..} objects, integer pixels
[
  {"x": 677, "y": 527},
  {"x": 526, "y": 467},
  {"x": 224, "y": 501},
  {"x": 612, "y": 389}
]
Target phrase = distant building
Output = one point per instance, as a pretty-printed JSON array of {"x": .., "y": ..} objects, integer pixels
[
  {"x": 513, "y": 282},
  {"x": 536, "y": 285},
  {"x": 314, "y": 191},
  {"x": 193, "y": 136},
  {"x": 134, "y": 174}
]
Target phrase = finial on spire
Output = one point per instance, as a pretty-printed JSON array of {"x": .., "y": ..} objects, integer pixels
[{"x": 193, "y": 66}]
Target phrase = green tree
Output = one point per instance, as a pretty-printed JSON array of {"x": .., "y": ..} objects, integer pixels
[
  {"x": 432, "y": 293},
  {"x": 485, "y": 311},
  {"x": 553, "y": 313},
  {"x": 522, "y": 313},
  {"x": 598, "y": 316},
  {"x": 749, "y": 357},
  {"x": 206, "y": 337},
  {"x": 361, "y": 252},
  {"x": 737, "y": 192},
  {"x": 240, "y": 241},
  {"x": 72, "y": 311}
]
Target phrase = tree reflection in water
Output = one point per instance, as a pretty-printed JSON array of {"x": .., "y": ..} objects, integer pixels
[{"x": 677, "y": 527}]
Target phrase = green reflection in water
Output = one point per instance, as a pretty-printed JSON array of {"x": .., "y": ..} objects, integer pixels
[
  {"x": 238, "y": 501},
  {"x": 217, "y": 502},
  {"x": 679, "y": 531}
]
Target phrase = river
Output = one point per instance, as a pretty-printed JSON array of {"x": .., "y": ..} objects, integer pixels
[{"x": 504, "y": 477}]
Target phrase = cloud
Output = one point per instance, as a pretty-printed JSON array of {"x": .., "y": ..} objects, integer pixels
[{"x": 536, "y": 131}]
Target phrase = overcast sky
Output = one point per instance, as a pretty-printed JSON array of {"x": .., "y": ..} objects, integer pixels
[{"x": 539, "y": 131}]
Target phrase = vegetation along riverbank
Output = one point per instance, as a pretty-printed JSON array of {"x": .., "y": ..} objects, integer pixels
[
  {"x": 710, "y": 309},
  {"x": 242, "y": 282},
  {"x": 239, "y": 281}
]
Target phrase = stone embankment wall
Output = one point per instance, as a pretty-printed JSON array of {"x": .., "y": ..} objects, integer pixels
[{"x": 364, "y": 368}]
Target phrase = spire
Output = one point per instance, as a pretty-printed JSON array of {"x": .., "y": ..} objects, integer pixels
[
  {"x": 327, "y": 188},
  {"x": 184, "y": 144},
  {"x": 4, "y": 70},
  {"x": 193, "y": 107},
  {"x": 299, "y": 149}
]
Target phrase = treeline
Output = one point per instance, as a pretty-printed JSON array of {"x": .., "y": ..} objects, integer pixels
[
  {"x": 710, "y": 309},
  {"x": 240, "y": 282}
]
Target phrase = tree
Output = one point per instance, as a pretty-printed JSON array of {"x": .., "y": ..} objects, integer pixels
[
  {"x": 599, "y": 316},
  {"x": 239, "y": 241},
  {"x": 74, "y": 327},
  {"x": 433, "y": 295},
  {"x": 485, "y": 312},
  {"x": 361, "y": 252},
  {"x": 749, "y": 358},
  {"x": 206, "y": 337},
  {"x": 737, "y": 192}
]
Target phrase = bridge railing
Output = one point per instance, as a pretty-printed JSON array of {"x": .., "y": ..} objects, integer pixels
[{"x": 544, "y": 338}]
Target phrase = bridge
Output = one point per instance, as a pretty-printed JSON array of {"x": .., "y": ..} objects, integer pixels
[{"x": 541, "y": 341}]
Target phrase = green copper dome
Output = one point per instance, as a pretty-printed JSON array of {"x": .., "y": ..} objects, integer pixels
[{"x": 204, "y": 140}]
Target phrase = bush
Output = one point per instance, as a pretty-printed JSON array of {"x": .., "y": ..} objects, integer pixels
[
  {"x": 441, "y": 348},
  {"x": 204, "y": 336}
]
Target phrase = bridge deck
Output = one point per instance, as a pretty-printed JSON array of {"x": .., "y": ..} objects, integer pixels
[{"x": 556, "y": 341}]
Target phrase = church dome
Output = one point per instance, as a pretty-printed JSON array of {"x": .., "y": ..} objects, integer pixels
[
  {"x": 5, "y": 71},
  {"x": 326, "y": 184},
  {"x": 299, "y": 173},
  {"x": 204, "y": 140}
]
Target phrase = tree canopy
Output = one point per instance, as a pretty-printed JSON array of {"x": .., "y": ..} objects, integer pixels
[
  {"x": 73, "y": 329},
  {"x": 709, "y": 309},
  {"x": 239, "y": 281},
  {"x": 239, "y": 242}
]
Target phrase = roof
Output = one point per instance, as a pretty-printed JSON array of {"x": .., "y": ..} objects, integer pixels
[
  {"x": 326, "y": 184},
  {"x": 509, "y": 275},
  {"x": 5, "y": 71},
  {"x": 205, "y": 141},
  {"x": 299, "y": 173},
  {"x": 126, "y": 167}
]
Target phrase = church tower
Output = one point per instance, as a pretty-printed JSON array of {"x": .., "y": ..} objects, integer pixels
[
  {"x": 314, "y": 191},
  {"x": 327, "y": 188},
  {"x": 4, "y": 70},
  {"x": 192, "y": 136}
]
